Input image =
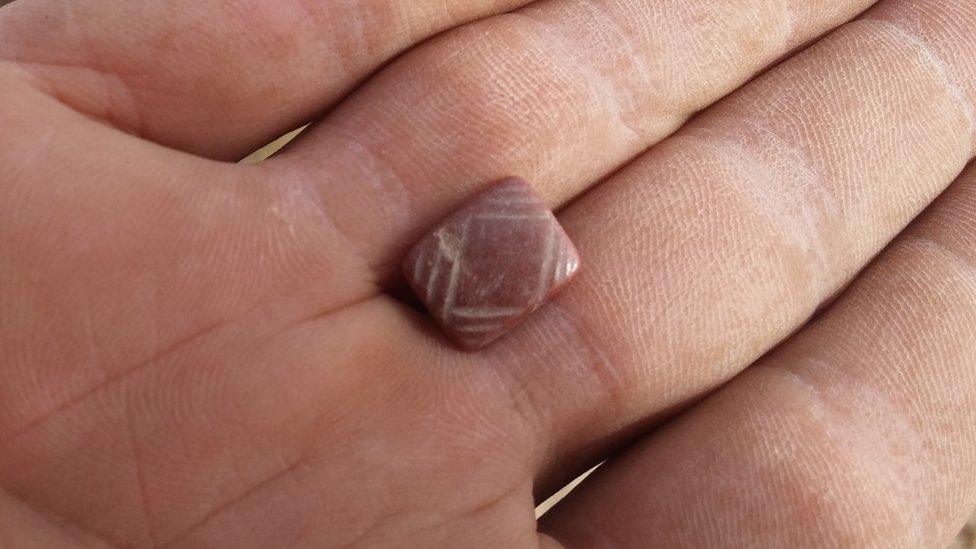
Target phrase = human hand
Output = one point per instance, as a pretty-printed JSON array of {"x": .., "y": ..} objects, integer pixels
[{"x": 200, "y": 353}]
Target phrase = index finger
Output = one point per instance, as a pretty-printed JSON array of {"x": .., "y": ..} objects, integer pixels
[{"x": 216, "y": 79}]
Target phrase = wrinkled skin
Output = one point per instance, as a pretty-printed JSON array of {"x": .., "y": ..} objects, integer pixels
[{"x": 200, "y": 353}]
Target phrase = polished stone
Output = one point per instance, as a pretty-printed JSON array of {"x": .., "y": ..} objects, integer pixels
[{"x": 491, "y": 263}]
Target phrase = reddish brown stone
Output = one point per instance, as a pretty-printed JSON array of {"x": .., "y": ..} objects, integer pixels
[{"x": 491, "y": 263}]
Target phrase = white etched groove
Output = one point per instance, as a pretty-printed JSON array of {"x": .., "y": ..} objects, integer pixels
[
  {"x": 557, "y": 265},
  {"x": 546, "y": 264},
  {"x": 485, "y": 312},
  {"x": 509, "y": 193},
  {"x": 435, "y": 271},
  {"x": 447, "y": 308},
  {"x": 513, "y": 203},
  {"x": 447, "y": 243},
  {"x": 418, "y": 264}
]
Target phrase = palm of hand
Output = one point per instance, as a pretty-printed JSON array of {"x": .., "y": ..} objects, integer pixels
[{"x": 194, "y": 352}]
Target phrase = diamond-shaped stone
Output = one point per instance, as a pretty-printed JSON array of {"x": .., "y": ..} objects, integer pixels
[{"x": 491, "y": 263}]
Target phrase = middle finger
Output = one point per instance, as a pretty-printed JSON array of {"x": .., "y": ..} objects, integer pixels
[{"x": 561, "y": 92}]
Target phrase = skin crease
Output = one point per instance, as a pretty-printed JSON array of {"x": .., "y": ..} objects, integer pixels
[
  {"x": 213, "y": 63},
  {"x": 196, "y": 353},
  {"x": 838, "y": 442}
]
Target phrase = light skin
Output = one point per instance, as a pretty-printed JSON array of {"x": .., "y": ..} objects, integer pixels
[{"x": 199, "y": 353}]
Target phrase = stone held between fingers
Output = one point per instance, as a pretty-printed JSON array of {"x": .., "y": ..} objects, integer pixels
[{"x": 491, "y": 263}]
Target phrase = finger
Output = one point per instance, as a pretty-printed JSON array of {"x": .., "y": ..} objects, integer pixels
[
  {"x": 720, "y": 242},
  {"x": 861, "y": 428},
  {"x": 215, "y": 78},
  {"x": 110, "y": 261},
  {"x": 561, "y": 92}
]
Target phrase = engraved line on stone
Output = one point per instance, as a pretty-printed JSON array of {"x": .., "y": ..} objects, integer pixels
[
  {"x": 432, "y": 277},
  {"x": 448, "y": 245},
  {"x": 444, "y": 249},
  {"x": 511, "y": 194},
  {"x": 513, "y": 200},
  {"x": 514, "y": 207},
  {"x": 558, "y": 265},
  {"x": 569, "y": 264},
  {"x": 545, "y": 266},
  {"x": 485, "y": 312},
  {"x": 456, "y": 264},
  {"x": 418, "y": 263}
]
